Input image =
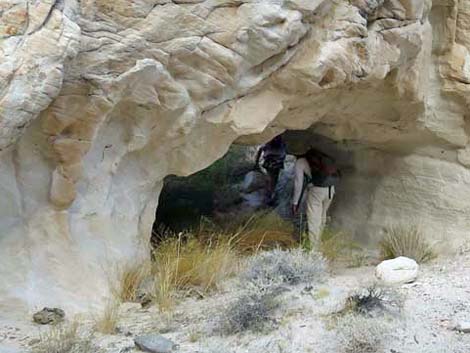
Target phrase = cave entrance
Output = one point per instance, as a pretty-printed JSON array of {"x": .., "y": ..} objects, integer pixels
[
  {"x": 229, "y": 193},
  {"x": 186, "y": 201}
]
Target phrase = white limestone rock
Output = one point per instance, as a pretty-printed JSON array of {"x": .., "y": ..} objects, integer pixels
[
  {"x": 462, "y": 326},
  {"x": 397, "y": 271}
]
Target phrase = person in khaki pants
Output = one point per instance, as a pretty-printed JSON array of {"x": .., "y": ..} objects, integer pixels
[{"x": 319, "y": 198}]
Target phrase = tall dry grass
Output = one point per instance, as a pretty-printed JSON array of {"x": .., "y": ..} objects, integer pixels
[
  {"x": 336, "y": 245},
  {"x": 129, "y": 279},
  {"x": 64, "y": 338},
  {"x": 187, "y": 263},
  {"x": 401, "y": 240},
  {"x": 106, "y": 323},
  {"x": 260, "y": 230},
  {"x": 208, "y": 256}
]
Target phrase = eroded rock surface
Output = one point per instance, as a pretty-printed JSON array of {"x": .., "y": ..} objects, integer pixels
[{"x": 100, "y": 100}]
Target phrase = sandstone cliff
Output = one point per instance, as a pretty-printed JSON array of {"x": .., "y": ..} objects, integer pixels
[{"x": 100, "y": 100}]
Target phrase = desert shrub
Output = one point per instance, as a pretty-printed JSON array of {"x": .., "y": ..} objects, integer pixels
[
  {"x": 360, "y": 334},
  {"x": 372, "y": 300},
  {"x": 107, "y": 321},
  {"x": 181, "y": 264},
  {"x": 253, "y": 311},
  {"x": 129, "y": 280},
  {"x": 406, "y": 241},
  {"x": 278, "y": 266},
  {"x": 366, "y": 301},
  {"x": 64, "y": 338}
]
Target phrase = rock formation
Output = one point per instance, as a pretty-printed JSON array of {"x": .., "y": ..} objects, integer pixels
[{"x": 100, "y": 100}]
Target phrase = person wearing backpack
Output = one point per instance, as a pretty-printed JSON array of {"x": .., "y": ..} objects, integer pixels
[{"x": 315, "y": 173}]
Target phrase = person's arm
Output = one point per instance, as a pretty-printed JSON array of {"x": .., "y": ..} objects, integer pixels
[
  {"x": 298, "y": 183},
  {"x": 258, "y": 156}
]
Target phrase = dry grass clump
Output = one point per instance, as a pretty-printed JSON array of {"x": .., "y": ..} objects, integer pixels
[
  {"x": 337, "y": 245},
  {"x": 64, "y": 338},
  {"x": 107, "y": 322},
  {"x": 278, "y": 266},
  {"x": 265, "y": 230},
  {"x": 253, "y": 311},
  {"x": 130, "y": 278},
  {"x": 182, "y": 264},
  {"x": 254, "y": 231},
  {"x": 406, "y": 241}
]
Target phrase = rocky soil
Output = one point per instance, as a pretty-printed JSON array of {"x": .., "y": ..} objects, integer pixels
[{"x": 432, "y": 307}]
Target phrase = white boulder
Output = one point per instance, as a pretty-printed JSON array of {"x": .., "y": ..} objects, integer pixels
[
  {"x": 397, "y": 271},
  {"x": 462, "y": 326}
]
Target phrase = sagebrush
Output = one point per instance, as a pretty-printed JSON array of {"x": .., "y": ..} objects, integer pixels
[
  {"x": 294, "y": 266},
  {"x": 253, "y": 311},
  {"x": 406, "y": 241},
  {"x": 362, "y": 334}
]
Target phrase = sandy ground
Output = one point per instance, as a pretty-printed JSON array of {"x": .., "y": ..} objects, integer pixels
[{"x": 439, "y": 298}]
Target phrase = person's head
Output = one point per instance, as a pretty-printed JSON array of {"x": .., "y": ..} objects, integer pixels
[
  {"x": 311, "y": 154},
  {"x": 276, "y": 141}
]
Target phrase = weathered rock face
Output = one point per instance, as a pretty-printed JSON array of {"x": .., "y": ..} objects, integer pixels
[{"x": 99, "y": 100}]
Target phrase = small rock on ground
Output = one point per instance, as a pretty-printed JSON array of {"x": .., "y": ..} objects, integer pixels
[
  {"x": 155, "y": 344},
  {"x": 463, "y": 326},
  {"x": 49, "y": 316}
]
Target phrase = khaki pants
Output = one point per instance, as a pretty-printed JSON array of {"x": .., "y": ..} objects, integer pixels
[{"x": 318, "y": 202}]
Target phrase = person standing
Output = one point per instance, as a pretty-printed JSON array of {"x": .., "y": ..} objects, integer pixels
[
  {"x": 316, "y": 173},
  {"x": 274, "y": 155}
]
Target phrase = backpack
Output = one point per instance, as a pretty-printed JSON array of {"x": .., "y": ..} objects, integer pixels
[{"x": 323, "y": 169}]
